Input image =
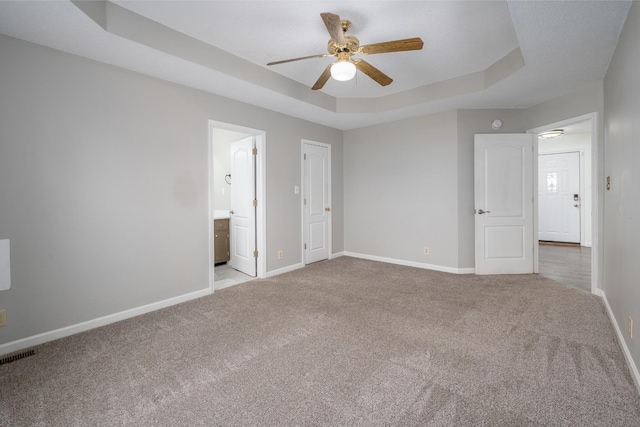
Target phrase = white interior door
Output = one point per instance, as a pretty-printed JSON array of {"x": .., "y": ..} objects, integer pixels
[
  {"x": 316, "y": 203},
  {"x": 559, "y": 197},
  {"x": 504, "y": 203},
  {"x": 243, "y": 216}
]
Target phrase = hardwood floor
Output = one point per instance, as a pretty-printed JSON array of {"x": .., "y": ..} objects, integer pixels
[{"x": 568, "y": 265}]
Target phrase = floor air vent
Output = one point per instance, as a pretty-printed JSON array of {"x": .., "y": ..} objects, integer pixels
[{"x": 17, "y": 356}]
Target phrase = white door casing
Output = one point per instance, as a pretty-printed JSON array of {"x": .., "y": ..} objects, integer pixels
[
  {"x": 503, "y": 203},
  {"x": 316, "y": 201},
  {"x": 559, "y": 197},
  {"x": 243, "y": 210}
]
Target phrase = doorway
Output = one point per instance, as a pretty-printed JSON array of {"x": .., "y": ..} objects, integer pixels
[
  {"x": 236, "y": 245},
  {"x": 559, "y": 255}
]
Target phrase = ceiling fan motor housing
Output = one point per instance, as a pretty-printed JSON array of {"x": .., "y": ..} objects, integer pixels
[{"x": 352, "y": 45}]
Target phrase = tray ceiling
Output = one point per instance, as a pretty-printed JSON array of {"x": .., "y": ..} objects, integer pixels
[{"x": 477, "y": 54}]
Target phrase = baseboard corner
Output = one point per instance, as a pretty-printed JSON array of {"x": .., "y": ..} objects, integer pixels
[{"x": 284, "y": 270}]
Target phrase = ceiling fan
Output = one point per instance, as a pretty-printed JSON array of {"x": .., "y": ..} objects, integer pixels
[{"x": 344, "y": 46}]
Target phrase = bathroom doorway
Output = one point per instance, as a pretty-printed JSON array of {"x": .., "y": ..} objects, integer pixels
[{"x": 237, "y": 245}]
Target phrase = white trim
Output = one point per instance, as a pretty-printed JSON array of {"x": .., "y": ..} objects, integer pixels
[
  {"x": 211, "y": 199},
  {"x": 536, "y": 210},
  {"x": 412, "y": 263},
  {"x": 304, "y": 142},
  {"x": 261, "y": 210},
  {"x": 44, "y": 337},
  {"x": 261, "y": 195},
  {"x": 336, "y": 255},
  {"x": 285, "y": 269},
  {"x": 596, "y": 203},
  {"x": 627, "y": 354}
]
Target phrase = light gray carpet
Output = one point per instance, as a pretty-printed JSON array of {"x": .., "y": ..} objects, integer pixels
[{"x": 342, "y": 342}]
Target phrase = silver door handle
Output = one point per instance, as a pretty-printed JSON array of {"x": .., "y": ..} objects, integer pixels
[{"x": 480, "y": 212}]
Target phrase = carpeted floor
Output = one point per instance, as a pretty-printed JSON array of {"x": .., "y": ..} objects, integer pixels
[{"x": 342, "y": 342}]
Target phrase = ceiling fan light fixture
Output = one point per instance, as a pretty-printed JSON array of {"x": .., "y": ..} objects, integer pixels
[
  {"x": 343, "y": 70},
  {"x": 551, "y": 134}
]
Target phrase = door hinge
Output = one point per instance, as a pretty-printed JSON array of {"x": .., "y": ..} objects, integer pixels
[
  {"x": 255, "y": 151},
  {"x": 255, "y": 254},
  {"x": 305, "y": 201},
  {"x": 305, "y": 246},
  {"x": 305, "y": 157},
  {"x": 255, "y": 202}
]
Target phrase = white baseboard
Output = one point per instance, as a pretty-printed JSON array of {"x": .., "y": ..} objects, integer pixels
[
  {"x": 284, "y": 269},
  {"x": 297, "y": 266},
  {"x": 412, "y": 263},
  {"x": 627, "y": 354},
  {"x": 44, "y": 337}
]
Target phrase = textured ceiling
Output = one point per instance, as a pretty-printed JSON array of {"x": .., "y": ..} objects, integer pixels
[{"x": 476, "y": 54}]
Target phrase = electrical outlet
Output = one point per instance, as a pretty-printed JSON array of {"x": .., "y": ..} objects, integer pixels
[
  {"x": 3, "y": 317},
  {"x": 426, "y": 250},
  {"x": 280, "y": 254},
  {"x": 631, "y": 327}
]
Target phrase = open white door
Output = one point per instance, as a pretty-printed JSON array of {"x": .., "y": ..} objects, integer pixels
[
  {"x": 243, "y": 210},
  {"x": 559, "y": 197},
  {"x": 316, "y": 202},
  {"x": 504, "y": 203}
]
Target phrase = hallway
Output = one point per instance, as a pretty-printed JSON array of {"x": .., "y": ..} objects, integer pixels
[{"x": 569, "y": 265}]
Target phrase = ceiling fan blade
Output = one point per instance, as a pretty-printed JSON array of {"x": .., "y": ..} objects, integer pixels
[
  {"x": 323, "y": 78},
  {"x": 373, "y": 72},
  {"x": 415, "y": 43},
  {"x": 322, "y": 55},
  {"x": 334, "y": 26}
]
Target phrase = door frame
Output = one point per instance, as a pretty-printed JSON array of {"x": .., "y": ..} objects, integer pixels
[
  {"x": 596, "y": 203},
  {"x": 330, "y": 216},
  {"x": 261, "y": 232}
]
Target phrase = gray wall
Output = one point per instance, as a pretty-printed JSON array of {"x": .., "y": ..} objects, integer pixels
[
  {"x": 622, "y": 202},
  {"x": 400, "y": 190},
  {"x": 104, "y": 192}
]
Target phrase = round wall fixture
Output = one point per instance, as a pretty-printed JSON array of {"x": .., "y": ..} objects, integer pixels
[{"x": 496, "y": 124}]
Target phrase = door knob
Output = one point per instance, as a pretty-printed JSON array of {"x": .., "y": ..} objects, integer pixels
[{"x": 480, "y": 212}]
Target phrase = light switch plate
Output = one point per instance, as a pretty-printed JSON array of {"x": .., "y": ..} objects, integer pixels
[{"x": 5, "y": 265}]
